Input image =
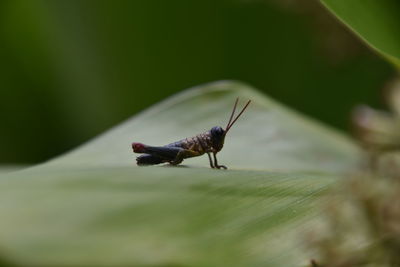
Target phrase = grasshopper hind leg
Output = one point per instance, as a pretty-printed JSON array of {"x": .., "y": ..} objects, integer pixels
[{"x": 147, "y": 159}]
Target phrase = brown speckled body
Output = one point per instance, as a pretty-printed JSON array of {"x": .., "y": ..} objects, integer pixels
[{"x": 201, "y": 143}]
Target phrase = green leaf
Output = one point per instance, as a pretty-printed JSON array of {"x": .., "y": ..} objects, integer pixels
[
  {"x": 10, "y": 168},
  {"x": 374, "y": 21},
  {"x": 95, "y": 207}
]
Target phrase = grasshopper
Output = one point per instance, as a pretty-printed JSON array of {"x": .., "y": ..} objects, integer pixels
[{"x": 209, "y": 142}]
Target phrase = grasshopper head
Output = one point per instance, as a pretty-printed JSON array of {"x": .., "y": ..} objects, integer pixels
[
  {"x": 217, "y": 137},
  {"x": 218, "y": 134}
]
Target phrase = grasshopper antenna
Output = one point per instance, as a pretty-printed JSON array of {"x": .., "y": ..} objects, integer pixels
[
  {"x": 230, "y": 123},
  {"x": 233, "y": 112}
]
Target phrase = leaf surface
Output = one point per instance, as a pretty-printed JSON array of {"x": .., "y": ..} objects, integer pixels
[{"x": 95, "y": 207}]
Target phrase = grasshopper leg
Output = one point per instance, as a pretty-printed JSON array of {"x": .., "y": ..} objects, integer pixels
[
  {"x": 178, "y": 159},
  {"x": 147, "y": 159},
  {"x": 211, "y": 162},
  {"x": 183, "y": 154},
  {"x": 158, "y": 154},
  {"x": 216, "y": 163}
]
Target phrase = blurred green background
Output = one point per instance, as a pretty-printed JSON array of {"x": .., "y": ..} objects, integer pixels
[{"x": 71, "y": 69}]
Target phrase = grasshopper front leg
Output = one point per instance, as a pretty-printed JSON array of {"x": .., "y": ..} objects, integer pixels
[
  {"x": 216, "y": 162},
  {"x": 211, "y": 162}
]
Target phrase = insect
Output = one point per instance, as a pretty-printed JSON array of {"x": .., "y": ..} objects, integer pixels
[{"x": 210, "y": 142}]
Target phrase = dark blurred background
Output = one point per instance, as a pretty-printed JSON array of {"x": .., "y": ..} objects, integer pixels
[{"x": 71, "y": 69}]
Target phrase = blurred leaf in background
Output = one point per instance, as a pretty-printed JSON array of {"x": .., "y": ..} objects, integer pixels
[
  {"x": 71, "y": 69},
  {"x": 375, "y": 22}
]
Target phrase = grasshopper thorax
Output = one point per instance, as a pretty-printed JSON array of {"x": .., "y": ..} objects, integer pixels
[{"x": 217, "y": 137}]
